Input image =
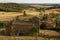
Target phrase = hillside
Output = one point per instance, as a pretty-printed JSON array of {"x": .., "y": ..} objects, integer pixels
[
  {"x": 40, "y": 5},
  {"x": 56, "y": 5},
  {"x": 46, "y": 6},
  {"x": 12, "y": 7},
  {"x": 15, "y": 7}
]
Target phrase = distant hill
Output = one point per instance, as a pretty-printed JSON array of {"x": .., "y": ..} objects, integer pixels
[
  {"x": 15, "y": 7},
  {"x": 55, "y": 5},
  {"x": 12, "y": 7},
  {"x": 40, "y": 6},
  {"x": 47, "y": 6}
]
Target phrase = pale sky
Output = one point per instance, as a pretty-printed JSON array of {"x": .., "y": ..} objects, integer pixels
[{"x": 30, "y": 1}]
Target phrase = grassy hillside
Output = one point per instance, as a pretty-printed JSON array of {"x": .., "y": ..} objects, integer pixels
[
  {"x": 12, "y": 7},
  {"x": 15, "y": 7}
]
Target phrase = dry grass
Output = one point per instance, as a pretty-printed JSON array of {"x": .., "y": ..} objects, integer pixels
[
  {"x": 5, "y": 16},
  {"x": 49, "y": 33},
  {"x": 25, "y": 38},
  {"x": 11, "y": 15}
]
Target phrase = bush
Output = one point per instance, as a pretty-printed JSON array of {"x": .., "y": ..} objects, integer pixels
[
  {"x": 55, "y": 29},
  {"x": 45, "y": 17},
  {"x": 58, "y": 23},
  {"x": 43, "y": 26},
  {"x": 2, "y": 24},
  {"x": 34, "y": 29}
]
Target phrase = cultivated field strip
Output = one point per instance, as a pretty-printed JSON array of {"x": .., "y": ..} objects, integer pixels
[{"x": 26, "y": 38}]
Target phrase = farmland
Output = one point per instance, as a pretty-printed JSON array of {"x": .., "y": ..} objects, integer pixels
[{"x": 18, "y": 10}]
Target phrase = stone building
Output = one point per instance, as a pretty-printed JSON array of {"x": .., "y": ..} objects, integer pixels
[{"x": 16, "y": 27}]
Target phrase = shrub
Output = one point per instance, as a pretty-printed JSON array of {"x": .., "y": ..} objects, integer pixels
[
  {"x": 34, "y": 29},
  {"x": 58, "y": 23},
  {"x": 2, "y": 24},
  {"x": 55, "y": 29},
  {"x": 45, "y": 17}
]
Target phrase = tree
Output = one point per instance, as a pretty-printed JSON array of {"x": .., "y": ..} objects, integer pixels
[
  {"x": 36, "y": 26},
  {"x": 24, "y": 13},
  {"x": 35, "y": 20}
]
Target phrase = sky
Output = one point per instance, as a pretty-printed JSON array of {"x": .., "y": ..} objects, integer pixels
[{"x": 30, "y": 1}]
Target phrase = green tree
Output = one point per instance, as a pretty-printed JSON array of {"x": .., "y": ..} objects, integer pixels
[{"x": 34, "y": 29}]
